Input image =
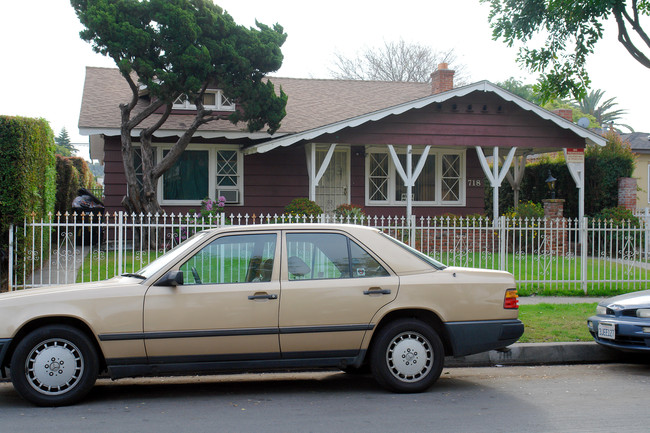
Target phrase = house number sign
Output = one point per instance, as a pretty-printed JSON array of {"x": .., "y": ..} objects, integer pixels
[{"x": 474, "y": 182}]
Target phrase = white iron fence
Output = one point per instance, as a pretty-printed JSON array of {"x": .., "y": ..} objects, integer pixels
[{"x": 542, "y": 254}]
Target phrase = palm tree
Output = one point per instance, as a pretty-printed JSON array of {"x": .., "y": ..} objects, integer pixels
[{"x": 603, "y": 112}]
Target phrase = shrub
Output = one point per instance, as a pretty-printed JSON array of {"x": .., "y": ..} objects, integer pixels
[
  {"x": 67, "y": 184},
  {"x": 349, "y": 211},
  {"x": 303, "y": 207},
  {"x": 27, "y": 177},
  {"x": 527, "y": 210}
]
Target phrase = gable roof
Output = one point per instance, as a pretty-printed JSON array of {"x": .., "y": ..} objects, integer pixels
[
  {"x": 312, "y": 103},
  {"x": 315, "y": 107},
  {"x": 484, "y": 86}
]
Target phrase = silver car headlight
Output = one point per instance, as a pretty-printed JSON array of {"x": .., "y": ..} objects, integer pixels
[{"x": 601, "y": 310}]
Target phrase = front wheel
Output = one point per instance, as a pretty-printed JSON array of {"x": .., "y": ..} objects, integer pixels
[
  {"x": 407, "y": 356},
  {"x": 54, "y": 366}
]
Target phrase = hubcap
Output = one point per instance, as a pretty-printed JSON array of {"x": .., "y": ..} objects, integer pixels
[
  {"x": 409, "y": 357},
  {"x": 54, "y": 366}
]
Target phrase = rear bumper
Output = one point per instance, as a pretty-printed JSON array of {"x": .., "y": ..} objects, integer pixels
[{"x": 467, "y": 338}]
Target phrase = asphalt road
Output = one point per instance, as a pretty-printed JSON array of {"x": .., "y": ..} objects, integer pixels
[{"x": 579, "y": 398}]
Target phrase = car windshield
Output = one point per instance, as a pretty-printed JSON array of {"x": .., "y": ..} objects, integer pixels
[
  {"x": 436, "y": 264},
  {"x": 172, "y": 255}
]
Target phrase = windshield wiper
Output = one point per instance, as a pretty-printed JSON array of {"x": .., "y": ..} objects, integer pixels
[{"x": 135, "y": 276}]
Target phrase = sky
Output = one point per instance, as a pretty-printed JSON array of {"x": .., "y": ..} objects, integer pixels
[{"x": 43, "y": 60}]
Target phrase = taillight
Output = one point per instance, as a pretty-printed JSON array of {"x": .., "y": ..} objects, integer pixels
[{"x": 511, "y": 300}]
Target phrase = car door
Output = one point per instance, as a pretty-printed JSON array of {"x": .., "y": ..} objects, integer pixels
[
  {"x": 227, "y": 308},
  {"x": 331, "y": 289}
]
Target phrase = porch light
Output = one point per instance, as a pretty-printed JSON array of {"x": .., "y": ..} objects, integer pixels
[{"x": 550, "y": 182}]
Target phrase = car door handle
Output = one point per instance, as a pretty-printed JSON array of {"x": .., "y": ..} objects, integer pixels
[
  {"x": 376, "y": 291},
  {"x": 263, "y": 296}
]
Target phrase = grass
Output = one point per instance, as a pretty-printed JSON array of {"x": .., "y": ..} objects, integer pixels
[{"x": 547, "y": 323}]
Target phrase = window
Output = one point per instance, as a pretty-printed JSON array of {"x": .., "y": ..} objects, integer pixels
[
  {"x": 212, "y": 100},
  {"x": 202, "y": 171},
  {"x": 188, "y": 178},
  {"x": 441, "y": 181},
  {"x": 328, "y": 256},
  {"x": 232, "y": 259}
]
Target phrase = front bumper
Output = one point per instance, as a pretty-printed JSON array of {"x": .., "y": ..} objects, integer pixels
[
  {"x": 629, "y": 335},
  {"x": 480, "y": 336}
]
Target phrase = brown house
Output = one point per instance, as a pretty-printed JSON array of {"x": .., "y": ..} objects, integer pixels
[{"x": 360, "y": 142}]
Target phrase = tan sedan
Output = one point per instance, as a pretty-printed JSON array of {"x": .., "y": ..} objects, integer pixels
[{"x": 259, "y": 297}]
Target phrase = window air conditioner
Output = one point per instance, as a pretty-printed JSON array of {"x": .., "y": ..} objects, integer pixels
[{"x": 231, "y": 195}]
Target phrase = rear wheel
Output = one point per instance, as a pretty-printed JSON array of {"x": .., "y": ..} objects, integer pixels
[
  {"x": 407, "y": 356},
  {"x": 54, "y": 366}
]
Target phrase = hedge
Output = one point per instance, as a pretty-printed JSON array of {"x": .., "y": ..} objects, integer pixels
[
  {"x": 72, "y": 173},
  {"x": 27, "y": 174}
]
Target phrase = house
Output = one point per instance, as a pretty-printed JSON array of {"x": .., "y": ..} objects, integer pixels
[
  {"x": 393, "y": 148},
  {"x": 640, "y": 145}
]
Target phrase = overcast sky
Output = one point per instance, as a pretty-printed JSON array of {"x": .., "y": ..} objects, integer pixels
[{"x": 44, "y": 60}]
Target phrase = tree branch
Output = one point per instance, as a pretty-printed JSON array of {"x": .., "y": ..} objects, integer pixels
[{"x": 621, "y": 16}]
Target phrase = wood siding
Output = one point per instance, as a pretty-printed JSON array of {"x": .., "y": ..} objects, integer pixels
[
  {"x": 477, "y": 119},
  {"x": 273, "y": 179}
]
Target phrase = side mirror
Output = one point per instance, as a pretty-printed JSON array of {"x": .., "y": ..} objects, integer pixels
[{"x": 171, "y": 278}]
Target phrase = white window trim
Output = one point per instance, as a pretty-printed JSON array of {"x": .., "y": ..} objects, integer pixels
[
  {"x": 212, "y": 173},
  {"x": 218, "y": 106},
  {"x": 393, "y": 176}
]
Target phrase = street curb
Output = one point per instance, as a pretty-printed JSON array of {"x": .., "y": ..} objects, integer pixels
[{"x": 543, "y": 354}]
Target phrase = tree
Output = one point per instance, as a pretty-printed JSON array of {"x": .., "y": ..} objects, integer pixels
[
  {"x": 63, "y": 145},
  {"x": 603, "y": 112},
  {"x": 526, "y": 91},
  {"x": 174, "y": 49},
  {"x": 396, "y": 61},
  {"x": 570, "y": 30}
]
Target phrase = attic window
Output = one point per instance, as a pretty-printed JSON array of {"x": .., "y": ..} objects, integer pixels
[{"x": 212, "y": 100}]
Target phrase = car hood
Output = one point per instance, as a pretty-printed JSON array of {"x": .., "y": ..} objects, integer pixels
[{"x": 629, "y": 300}]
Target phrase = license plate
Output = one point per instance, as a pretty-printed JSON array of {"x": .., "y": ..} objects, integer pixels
[{"x": 607, "y": 330}]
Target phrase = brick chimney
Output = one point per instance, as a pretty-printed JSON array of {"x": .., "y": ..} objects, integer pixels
[
  {"x": 442, "y": 79},
  {"x": 565, "y": 112}
]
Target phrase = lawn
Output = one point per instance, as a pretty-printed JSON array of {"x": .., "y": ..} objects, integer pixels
[{"x": 547, "y": 323}]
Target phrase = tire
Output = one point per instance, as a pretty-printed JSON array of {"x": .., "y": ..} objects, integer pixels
[
  {"x": 407, "y": 356},
  {"x": 54, "y": 365}
]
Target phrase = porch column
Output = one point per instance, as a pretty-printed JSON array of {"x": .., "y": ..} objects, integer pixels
[
  {"x": 514, "y": 179},
  {"x": 495, "y": 176},
  {"x": 314, "y": 175},
  {"x": 409, "y": 176}
]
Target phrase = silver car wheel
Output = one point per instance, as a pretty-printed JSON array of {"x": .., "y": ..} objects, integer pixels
[
  {"x": 54, "y": 366},
  {"x": 409, "y": 356}
]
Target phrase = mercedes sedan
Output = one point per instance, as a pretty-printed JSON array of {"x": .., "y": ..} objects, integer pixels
[{"x": 294, "y": 296}]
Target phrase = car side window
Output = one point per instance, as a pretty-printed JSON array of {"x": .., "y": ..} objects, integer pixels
[
  {"x": 327, "y": 256},
  {"x": 232, "y": 259},
  {"x": 363, "y": 264}
]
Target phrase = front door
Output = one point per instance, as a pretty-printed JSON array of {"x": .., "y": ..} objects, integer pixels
[
  {"x": 333, "y": 189},
  {"x": 227, "y": 308}
]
